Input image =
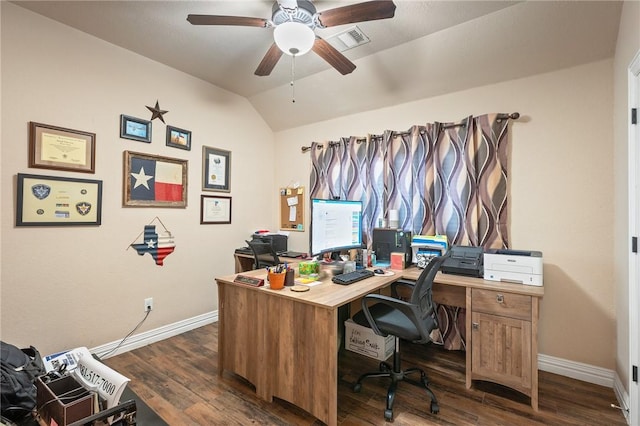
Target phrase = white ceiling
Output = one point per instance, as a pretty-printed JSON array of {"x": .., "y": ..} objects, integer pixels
[{"x": 429, "y": 48}]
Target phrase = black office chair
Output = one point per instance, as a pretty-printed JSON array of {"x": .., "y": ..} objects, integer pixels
[
  {"x": 263, "y": 253},
  {"x": 411, "y": 320}
]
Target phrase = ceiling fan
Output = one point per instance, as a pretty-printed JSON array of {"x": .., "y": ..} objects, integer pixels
[{"x": 294, "y": 21}]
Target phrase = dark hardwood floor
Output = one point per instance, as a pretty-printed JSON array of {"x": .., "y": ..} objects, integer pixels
[{"x": 178, "y": 378}]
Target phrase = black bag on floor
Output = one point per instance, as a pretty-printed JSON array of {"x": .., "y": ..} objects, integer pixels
[{"x": 20, "y": 367}]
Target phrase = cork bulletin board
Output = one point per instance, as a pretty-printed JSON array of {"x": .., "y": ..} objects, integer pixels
[{"x": 292, "y": 209}]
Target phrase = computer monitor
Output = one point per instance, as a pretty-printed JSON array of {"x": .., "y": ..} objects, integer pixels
[{"x": 336, "y": 225}]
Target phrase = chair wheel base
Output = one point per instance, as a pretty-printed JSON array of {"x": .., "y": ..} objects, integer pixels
[
  {"x": 357, "y": 387},
  {"x": 388, "y": 415},
  {"x": 435, "y": 408}
]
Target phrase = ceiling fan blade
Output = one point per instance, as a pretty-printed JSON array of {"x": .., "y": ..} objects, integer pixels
[
  {"x": 333, "y": 56},
  {"x": 367, "y": 11},
  {"x": 243, "y": 21},
  {"x": 269, "y": 61}
]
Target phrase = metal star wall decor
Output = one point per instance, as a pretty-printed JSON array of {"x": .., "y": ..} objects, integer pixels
[{"x": 156, "y": 112}]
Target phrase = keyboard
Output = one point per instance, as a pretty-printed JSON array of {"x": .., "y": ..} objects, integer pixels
[{"x": 352, "y": 277}]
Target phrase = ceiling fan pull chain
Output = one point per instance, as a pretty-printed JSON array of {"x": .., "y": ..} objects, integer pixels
[{"x": 293, "y": 76}]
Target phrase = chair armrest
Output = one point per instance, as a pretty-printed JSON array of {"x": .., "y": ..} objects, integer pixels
[{"x": 402, "y": 284}]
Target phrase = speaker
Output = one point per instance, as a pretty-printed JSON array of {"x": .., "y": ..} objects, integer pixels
[{"x": 390, "y": 240}]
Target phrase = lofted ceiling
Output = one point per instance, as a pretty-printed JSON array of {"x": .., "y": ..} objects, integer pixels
[{"x": 429, "y": 48}]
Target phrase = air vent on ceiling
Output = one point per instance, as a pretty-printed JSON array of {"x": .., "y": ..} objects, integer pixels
[{"x": 348, "y": 39}]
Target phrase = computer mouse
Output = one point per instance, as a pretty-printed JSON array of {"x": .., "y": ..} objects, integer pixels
[{"x": 378, "y": 271}]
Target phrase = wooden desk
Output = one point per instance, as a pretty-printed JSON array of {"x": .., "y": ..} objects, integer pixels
[{"x": 286, "y": 343}]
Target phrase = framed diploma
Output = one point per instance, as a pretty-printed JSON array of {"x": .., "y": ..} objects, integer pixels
[
  {"x": 216, "y": 169},
  {"x": 57, "y": 148},
  {"x": 58, "y": 201},
  {"x": 214, "y": 209}
]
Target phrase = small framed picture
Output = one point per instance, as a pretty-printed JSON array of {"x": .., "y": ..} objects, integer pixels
[
  {"x": 57, "y": 148},
  {"x": 135, "y": 129},
  {"x": 178, "y": 138},
  {"x": 215, "y": 209},
  {"x": 216, "y": 169}
]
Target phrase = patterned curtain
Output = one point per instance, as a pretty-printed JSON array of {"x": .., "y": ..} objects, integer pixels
[{"x": 442, "y": 178}]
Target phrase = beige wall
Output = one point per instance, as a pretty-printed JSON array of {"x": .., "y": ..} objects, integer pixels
[
  {"x": 94, "y": 288},
  {"x": 561, "y": 201},
  {"x": 627, "y": 47},
  {"x": 64, "y": 287}
]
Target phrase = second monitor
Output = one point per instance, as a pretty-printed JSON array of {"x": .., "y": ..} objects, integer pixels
[{"x": 336, "y": 225}]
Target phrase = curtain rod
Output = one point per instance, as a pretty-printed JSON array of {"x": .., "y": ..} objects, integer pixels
[
  {"x": 503, "y": 116},
  {"x": 513, "y": 116}
]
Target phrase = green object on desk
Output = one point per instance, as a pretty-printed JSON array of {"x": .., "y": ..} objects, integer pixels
[{"x": 307, "y": 268}]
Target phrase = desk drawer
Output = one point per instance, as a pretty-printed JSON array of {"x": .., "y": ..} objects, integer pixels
[{"x": 501, "y": 303}]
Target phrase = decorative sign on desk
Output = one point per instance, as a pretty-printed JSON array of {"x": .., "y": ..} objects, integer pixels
[
  {"x": 292, "y": 208},
  {"x": 247, "y": 280}
]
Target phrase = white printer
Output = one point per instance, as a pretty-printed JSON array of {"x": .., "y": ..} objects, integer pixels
[{"x": 518, "y": 266}]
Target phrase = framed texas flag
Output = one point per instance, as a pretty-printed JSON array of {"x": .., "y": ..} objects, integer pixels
[{"x": 154, "y": 181}]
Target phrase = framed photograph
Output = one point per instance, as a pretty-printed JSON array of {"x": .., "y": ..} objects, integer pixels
[
  {"x": 154, "y": 181},
  {"x": 57, "y": 148},
  {"x": 135, "y": 129},
  {"x": 215, "y": 209},
  {"x": 178, "y": 138},
  {"x": 216, "y": 169},
  {"x": 58, "y": 201}
]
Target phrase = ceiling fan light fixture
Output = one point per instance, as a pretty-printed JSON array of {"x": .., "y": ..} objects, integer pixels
[{"x": 294, "y": 38}]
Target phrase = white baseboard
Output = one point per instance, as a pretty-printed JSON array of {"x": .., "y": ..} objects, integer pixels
[
  {"x": 575, "y": 370},
  {"x": 139, "y": 340}
]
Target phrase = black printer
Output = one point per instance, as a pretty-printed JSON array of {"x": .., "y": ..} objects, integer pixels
[
  {"x": 464, "y": 260},
  {"x": 278, "y": 241}
]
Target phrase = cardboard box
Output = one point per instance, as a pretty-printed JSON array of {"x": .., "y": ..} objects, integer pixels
[
  {"x": 63, "y": 401},
  {"x": 364, "y": 341}
]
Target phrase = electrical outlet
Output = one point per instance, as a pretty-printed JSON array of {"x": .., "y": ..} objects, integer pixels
[{"x": 148, "y": 304}]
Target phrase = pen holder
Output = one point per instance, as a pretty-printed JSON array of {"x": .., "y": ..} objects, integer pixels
[
  {"x": 276, "y": 280},
  {"x": 289, "y": 277}
]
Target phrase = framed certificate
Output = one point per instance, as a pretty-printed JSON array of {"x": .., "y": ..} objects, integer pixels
[
  {"x": 57, "y": 148},
  {"x": 58, "y": 201},
  {"x": 215, "y": 209},
  {"x": 216, "y": 169}
]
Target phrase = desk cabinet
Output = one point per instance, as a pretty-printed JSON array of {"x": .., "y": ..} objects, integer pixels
[{"x": 503, "y": 340}]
